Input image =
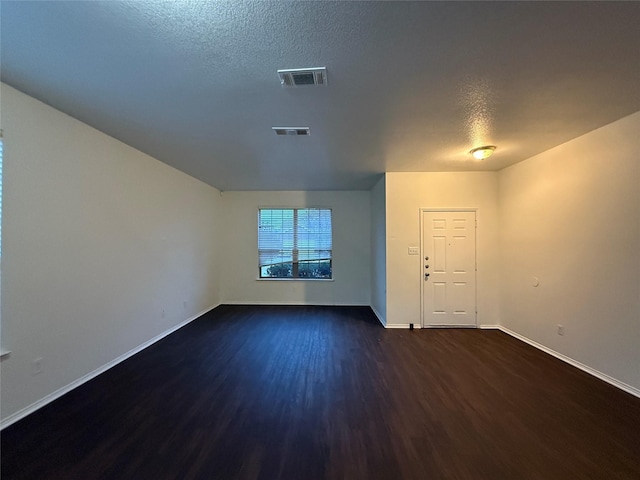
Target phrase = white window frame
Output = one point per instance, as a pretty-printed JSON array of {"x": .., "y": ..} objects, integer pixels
[{"x": 294, "y": 252}]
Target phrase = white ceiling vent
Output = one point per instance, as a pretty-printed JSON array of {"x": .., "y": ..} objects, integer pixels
[
  {"x": 299, "y": 77},
  {"x": 300, "y": 131}
]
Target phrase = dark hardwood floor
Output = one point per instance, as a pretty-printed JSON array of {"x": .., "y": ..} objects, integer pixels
[{"x": 327, "y": 393}]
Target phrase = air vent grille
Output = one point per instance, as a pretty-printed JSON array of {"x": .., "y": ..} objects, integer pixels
[
  {"x": 296, "y": 131},
  {"x": 299, "y": 77}
]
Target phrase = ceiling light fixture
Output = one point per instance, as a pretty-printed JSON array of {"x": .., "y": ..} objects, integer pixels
[{"x": 483, "y": 152}]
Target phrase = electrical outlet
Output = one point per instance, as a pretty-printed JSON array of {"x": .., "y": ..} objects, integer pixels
[
  {"x": 560, "y": 329},
  {"x": 36, "y": 366},
  {"x": 414, "y": 251}
]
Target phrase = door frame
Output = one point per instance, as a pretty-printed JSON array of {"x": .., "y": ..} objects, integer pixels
[{"x": 422, "y": 253}]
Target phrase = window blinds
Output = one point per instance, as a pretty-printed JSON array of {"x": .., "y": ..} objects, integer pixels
[{"x": 293, "y": 235}]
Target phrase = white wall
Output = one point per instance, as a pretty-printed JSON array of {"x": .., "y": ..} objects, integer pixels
[
  {"x": 351, "y": 250},
  {"x": 406, "y": 194},
  {"x": 379, "y": 250},
  {"x": 98, "y": 240},
  {"x": 571, "y": 216}
]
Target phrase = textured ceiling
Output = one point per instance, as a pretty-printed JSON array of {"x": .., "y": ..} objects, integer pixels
[{"x": 413, "y": 86}]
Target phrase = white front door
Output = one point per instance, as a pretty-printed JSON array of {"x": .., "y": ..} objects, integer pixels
[{"x": 448, "y": 269}]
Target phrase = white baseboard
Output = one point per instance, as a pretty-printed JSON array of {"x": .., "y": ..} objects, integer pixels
[
  {"x": 585, "y": 368},
  {"x": 380, "y": 317},
  {"x": 20, "y": 414},
  {"x": 296, "y": 303},
  {"x": 403, "y": 325},
  {"x": 462, "y": 325}
]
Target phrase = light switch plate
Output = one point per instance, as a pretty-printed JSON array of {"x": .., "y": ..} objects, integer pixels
[{"x": 414, "y": 251}]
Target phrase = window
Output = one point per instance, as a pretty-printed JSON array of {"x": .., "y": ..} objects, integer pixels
[{"x": 294, "y": 243}]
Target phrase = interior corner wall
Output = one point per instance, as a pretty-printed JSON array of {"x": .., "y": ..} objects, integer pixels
[
  {"x": 351, "y": 218},
  {"x": 379, "y": 250},
  {"x": 407, "y": 194},
  {"x": 571, "y": 217},
  {"x": 104, "y": 248}
]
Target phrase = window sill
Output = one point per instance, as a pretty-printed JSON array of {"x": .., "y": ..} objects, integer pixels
[{"x": 275, "y": 279}]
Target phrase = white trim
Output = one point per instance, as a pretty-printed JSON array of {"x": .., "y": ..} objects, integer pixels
[
  {"x": 20, "y": 414},
  {"x": 585, "y": 368},
  {"x": 461, "y": 325},
  {"x": 381, "y": 319},
  {"x": 445, "y": 209},
  {"x": 424, "y": 210},
  {"x": 291, "y": 303},
  {"x": 297, "y": 279},
  {"x": 416, "y": 326}
]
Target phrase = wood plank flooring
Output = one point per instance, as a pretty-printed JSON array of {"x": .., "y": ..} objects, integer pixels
[{"x": 326, "y": 393}]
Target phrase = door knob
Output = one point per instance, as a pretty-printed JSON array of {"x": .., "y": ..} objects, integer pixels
[
  {"x": 426, "y": 266},
  {"x": 426, "y": 276},
  {"x": 426, "y": 258}
]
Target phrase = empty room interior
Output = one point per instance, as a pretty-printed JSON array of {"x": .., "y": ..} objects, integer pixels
[{"x": 332, "y": 240}]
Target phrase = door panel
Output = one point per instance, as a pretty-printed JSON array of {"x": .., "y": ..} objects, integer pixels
[
  {"x": 439, "y": 297},
  {"x": 449, "y": 289},
  {"x": 439, "y": 255}
]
